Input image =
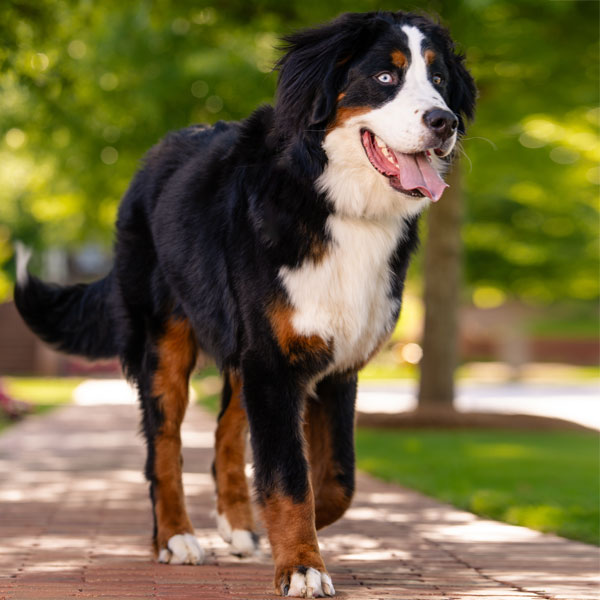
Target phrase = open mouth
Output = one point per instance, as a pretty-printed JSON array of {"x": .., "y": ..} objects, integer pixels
[{"x": 411, "y": 174}]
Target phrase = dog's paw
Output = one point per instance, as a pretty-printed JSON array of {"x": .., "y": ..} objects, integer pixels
[
  {"x": 307, "y": 582},
  {"x": 241, "y": 542},
  {"x": 182, "y": 549}
]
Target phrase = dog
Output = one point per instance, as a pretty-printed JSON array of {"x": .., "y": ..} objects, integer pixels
[{"x": 279, "y": 246}]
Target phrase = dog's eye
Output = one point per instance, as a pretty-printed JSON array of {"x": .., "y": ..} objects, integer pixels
[
  {"x": 437, "y": 79},
  {"x": 386, "y": 78}
]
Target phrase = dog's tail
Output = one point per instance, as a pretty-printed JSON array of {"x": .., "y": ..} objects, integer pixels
[{"x": 76, "y": 319}]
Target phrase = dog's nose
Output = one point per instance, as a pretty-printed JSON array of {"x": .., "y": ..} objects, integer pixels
[{"x": 442, "y": 122}]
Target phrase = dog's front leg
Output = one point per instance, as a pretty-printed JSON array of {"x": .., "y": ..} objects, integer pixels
[
  {"x": 274, "y": 404},
  {"x": 290, "y": 523}
]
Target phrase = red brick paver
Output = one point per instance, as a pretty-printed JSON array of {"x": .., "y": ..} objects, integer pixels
[{"x": 75, "y": 523}]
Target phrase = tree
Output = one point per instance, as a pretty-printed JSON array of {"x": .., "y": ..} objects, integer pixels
[
  {"x": 441, "y": 284},
  {"x": 522, "y": 238}
]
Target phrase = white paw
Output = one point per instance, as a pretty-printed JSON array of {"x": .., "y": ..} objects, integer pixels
[
  {"x": 309, "y": 584},
  {"x": 183, "y": 549},
  {"x": 241, "y": 542},
  {"x": 223, "y": 527}
]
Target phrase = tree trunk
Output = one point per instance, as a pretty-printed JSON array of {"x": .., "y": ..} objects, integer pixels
[{"x": 442, "y": 282}]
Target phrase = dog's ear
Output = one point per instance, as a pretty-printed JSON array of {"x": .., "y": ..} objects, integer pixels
[
  {"x": 311, "y": 74},
  {"x": 462, "y": 92}
]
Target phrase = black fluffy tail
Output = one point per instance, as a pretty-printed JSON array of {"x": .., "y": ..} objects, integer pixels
[{"x": 76, "y": 319}]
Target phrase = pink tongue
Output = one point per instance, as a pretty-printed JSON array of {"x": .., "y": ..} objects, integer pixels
[{"x": 416, "y": 173}]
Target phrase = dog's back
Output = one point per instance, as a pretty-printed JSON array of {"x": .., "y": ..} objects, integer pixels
[{"x": 93, "y": 320}]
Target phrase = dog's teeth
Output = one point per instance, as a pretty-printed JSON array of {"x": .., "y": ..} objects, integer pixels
[
  {"x": 391, "y": 157},
  {"x": 385, "y": 150}
]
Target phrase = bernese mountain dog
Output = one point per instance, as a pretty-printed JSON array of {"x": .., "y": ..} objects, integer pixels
[{"x": 279, "y": 246}]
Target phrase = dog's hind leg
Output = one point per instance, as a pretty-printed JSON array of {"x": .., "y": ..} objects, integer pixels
[
  {"x": 329, "y": 432},
  {"x": 234, "y": 511},
  {"x": 163, "y": 385}
]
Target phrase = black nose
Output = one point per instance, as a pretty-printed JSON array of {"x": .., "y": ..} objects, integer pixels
[{"x": 442, "y": 122}]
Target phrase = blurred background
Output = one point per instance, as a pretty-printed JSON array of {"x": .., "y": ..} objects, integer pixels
[{"x": 87, "y": 87}]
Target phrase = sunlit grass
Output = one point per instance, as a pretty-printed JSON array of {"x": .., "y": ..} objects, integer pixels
[
  {"x": 547, "y": 481},
  {"x": 387, "y": 369},
  {"x": 42, "y": 391},
  {"x": 384, "y": 368}
]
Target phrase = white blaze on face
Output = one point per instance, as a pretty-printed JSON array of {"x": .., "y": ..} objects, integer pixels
[
  {"x": 349, "y": 180},
  {"x": 400, "y": 122}
]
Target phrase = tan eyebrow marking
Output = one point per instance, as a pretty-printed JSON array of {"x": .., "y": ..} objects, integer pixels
[
  {"x": 429, "y": 56},
  {"x": 399, "y": 58}
]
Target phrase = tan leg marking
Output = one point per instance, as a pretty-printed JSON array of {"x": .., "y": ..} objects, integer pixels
[
  {"x": 176, "y": 357},
  {"x": 331, "y": 500},
  {"x": 233, "y": 499},
  {"x": 293, "y": 536}
]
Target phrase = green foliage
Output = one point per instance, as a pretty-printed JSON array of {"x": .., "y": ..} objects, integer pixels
[
  {"x": 574, "y": 321},
  {"x": 86, "y": 88},
  {"x": 547, "y": 481},
  {"x": 532, "y": 192}
]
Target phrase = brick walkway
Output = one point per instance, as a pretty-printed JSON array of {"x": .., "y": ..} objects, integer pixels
[{"x": 75, "y": 519}]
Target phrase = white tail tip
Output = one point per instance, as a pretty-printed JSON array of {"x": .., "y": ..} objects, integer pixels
[{"x": 23, "y": 256}]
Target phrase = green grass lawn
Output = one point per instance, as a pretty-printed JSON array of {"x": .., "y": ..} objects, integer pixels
[
  {"x": 44, "y": 393},
  {"x": 547, "y": 481},
  {"x": 384, "y": 368}
]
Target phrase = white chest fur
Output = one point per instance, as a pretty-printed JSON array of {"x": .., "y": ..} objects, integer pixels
[{"x": 345, "y": 297}]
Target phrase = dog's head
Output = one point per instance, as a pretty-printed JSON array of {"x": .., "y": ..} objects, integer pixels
[{"x": 370, "y": 106}]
